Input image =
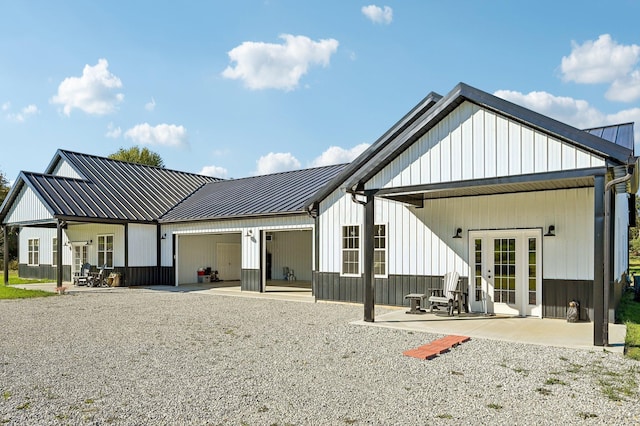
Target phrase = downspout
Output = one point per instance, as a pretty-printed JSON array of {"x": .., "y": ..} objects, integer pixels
[{"x": 618, "y": 180}]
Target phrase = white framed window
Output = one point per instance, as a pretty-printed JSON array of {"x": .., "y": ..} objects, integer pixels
[
  {"x": 351, "y": 250},
  {"x": 34, "y": 251},
  {"x": 380, "y": 250},
  {"x": 54, "y": 252},
  {"x": 105, "y": 250}
]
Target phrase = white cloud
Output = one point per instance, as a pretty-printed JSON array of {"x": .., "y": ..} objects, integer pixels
[
  {"x": 215, "y": 171},
  {"x": 625, "y": 89},
  {"x": 20, "y": 117},
  {"x": 605, "y": 61},
  {"x": 93, "y": 93},
  {"x": 162, "y": 134},
  {"x": 113, "y": 132},
  {"x": 276, "y": 162},
  {"x": 6, "y": 106},
  {"x": 337, "y": 155},
  {"x": 151, "y": 105},
  {"x": 278, "y": 66},
  {"x": 377, "y": 14},
  {"x": 575, "y": 112}
]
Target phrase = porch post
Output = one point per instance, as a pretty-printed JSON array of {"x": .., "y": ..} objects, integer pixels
[
  {"x": 158, "y": 273},
  {"x": 125, "y": 277},
  {"x": 368, "y": 249},
  {"x": 58, "y": 260},
  {"x": 598, "y": 261},
  {"x": 316, "y": 257},
  {"x": 5, "y": 231}
]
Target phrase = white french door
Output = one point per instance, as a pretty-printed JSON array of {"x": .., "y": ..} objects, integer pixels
[
  {"x": 506, "y": 272},
  {"x": 80, "y": 256}
]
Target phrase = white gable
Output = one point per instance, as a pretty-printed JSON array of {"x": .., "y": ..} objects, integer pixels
[
  {"x": 27, "y": 208},
  {"x": 474, "y": 143},
  {"x": 64, "y": 169}
]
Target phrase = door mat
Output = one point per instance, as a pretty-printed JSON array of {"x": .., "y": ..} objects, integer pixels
[{"x": 437, "y": 347}]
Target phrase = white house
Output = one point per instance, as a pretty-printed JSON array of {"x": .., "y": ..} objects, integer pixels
[{"x": 532, "y": 214}]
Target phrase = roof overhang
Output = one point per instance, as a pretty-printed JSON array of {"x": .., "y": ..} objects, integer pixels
[{"x": 416, "y": 195}]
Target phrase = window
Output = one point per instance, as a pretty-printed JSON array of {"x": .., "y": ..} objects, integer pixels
[
  {"x": 105, "y": 250},
  {"x": 34, "y": 252},
  {"x": 380, "y": 250},
  {"x": 351, "y": 250},
  {"x": 54, "y": 252}
]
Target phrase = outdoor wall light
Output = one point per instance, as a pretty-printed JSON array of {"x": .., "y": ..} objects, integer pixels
[
  {"x": 551, "y": 231},
  {"x": 249, "y": 233},
  {"x": 458, "y": 232},
  {"x": 163, "y": 237}
]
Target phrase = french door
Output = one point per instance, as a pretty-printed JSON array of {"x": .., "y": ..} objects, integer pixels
[
  {"x": 506, "y": 272},
  {"x": 80, "y": 256}
]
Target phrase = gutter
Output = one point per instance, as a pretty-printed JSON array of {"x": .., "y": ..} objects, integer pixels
[{"x": 629, "y": 169}]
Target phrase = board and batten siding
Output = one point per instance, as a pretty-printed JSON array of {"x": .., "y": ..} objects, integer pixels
[
  {"x": 197, "y": 251},
  {"x": 621, "y": 241},
  {"x": 90, "y": 232},
  {"x": 250, "y": 244},
  {"x": 142, "y": 245},
  {"x": 27, "y": 208},
  {"x": 474, "y": 143},
  {"x": 46, "y": 236},
  {"x": 64, "y": 169},
  {"x": 420, "y": 240}
]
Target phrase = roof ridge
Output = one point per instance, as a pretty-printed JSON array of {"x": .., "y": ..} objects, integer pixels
[{"x": 286, "y": 172}]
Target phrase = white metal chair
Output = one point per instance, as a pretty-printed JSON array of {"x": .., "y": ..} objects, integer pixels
[
  {"x": 83, "y": 277},
  {"x": 447, "y": 295}
]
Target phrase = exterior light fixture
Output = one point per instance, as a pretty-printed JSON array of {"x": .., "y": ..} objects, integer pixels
[
  {"x": 458, "y": 232},
  {"x": 551, "y": 231}
]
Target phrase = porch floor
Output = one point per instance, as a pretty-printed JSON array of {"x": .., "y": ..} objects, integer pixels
[{"x": 547, "y": 331}]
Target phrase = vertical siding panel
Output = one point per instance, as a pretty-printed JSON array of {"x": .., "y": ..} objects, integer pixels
[
  {"x": 419, "y": 244},
  {"x": 568, "y": 157},
  {"x": 502, "y": 146},
  {"x": 554, "y": 157},
  {"x": 528, "y": 154},
  {"x": 445, "y": 150},
  {"x": 456, "y": 161},
  {"x": 467, "y": 145},
  {"x": 583, "y": 160},
  {"x": 435, "y": 156},
  {"x": 515, "y": 148},
  {"x": 540, "y": 152},
  {"x": 478, "y": 143},
  {"x": 490, "y": 144}
]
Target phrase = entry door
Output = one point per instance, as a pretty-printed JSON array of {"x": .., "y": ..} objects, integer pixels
[
  {"x": 229, "y": 261},
  {"x": 79, "y": 257},
  {"x": 506, "y": 268}
]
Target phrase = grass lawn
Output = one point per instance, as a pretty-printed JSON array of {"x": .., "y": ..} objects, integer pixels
[
  {"x": 629, "y": 314},
  {"x": 634, "y": 266},
  {"x": 18, "y": 293}
]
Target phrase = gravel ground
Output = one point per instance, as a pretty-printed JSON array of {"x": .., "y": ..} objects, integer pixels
[{"x": 150, "y": 357}]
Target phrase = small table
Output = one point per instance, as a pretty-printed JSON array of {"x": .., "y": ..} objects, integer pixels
[{"x": 417, "y": 301}]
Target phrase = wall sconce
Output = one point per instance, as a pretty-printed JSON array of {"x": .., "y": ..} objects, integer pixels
[
  {"x": 458, "y": 232},
  {"x": 551, "y": 231},
  {"x": 163, "y": 237},
  {"x": 249, "y": 233},
  {"x": 89, "y": 242}
]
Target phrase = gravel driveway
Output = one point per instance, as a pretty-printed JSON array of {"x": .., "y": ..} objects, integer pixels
[{"x": 124, "y": 356}]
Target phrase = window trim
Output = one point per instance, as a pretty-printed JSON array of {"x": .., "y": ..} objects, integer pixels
[
  {"x": 32, "y": 254},
  {"x": 54, "y": 252},
  {"x": 385, "y": 250},
  {"x": 105, "y": 251},
  {"x": 342, "y": 250}
]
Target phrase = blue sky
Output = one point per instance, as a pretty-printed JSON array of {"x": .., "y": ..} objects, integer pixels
[{"x": 236, "y": 88}]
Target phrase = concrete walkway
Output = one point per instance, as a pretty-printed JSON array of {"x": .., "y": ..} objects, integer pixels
[{"x": 549, "y": 332}]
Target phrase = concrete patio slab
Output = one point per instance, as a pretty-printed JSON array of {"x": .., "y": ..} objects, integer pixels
[{"x": 550, "y": 332}]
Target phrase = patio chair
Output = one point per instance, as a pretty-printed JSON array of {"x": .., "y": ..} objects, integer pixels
[
  {"x": 98, "y": 279},
  {"x": 83, "y": 277},
  {"x": 447, "y": 295}
]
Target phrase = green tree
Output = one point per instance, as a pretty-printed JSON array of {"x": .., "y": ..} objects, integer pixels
[
  {"x": 137, "y": 155},
  {"x": 13, "y": 240}
]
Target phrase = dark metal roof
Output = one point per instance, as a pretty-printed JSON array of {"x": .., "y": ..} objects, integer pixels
[
  {"x": 110, "y": 190},
  {"x": 620, "y": 134},
  {"x": 280, "y": 193},
  {"x": 386, "y": 149}
]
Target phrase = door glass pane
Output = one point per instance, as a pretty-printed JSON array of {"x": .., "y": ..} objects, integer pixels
[
  {"x": 478, "y": 270},
  {"x": 505, "y": 270},
  {"x": 533, "y": 255}
]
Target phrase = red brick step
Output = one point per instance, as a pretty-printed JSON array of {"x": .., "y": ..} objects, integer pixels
[{"x": 437, "y": 347}]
